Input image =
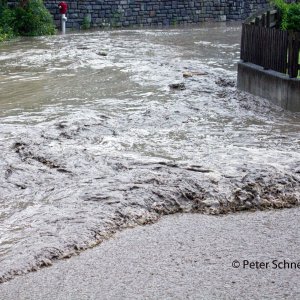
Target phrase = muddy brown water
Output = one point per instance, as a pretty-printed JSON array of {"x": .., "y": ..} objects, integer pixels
[{"x": 93, "y": 139}]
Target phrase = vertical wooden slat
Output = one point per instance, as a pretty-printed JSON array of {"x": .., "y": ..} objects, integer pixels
[
  {"x": 242, "y": 54},
  {"x": 297, "y": 50},
  {"x": 271, "y": 48},
  {"x": 293, "y": 54},
  {"x": 268, "y": 19},
  {"x": 285, "y": 51},
  {"x": 263, "y": 20},
  {"x": 257, "y": 21}
]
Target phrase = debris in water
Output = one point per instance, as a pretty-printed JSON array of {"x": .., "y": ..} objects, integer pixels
[
  {"x": 191, "y": 74},
  {"x": 102, "y": 53},
  {"x": 177, "y": 86},
  {"x": 225, "y": 82}
]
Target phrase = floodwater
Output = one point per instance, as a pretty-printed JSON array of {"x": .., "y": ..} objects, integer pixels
[{"x": 93, "y": 139}]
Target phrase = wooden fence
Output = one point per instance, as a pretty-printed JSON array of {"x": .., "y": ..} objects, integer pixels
[{"x": 271, "y": 48}]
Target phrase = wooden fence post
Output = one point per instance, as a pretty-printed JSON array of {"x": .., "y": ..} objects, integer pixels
[
  {"x": 268, "y": 19},
  {"x": 293, "y": 53},
  {"x": 263, "y": 20}
]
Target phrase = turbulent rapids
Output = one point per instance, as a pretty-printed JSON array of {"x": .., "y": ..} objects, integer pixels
[{"x": 93, "y": 139}]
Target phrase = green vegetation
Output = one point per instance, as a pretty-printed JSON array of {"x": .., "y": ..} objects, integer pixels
[
  {"x": 29, "y": 18},
  {"x": 7, "y": 20},
  {"x": 293, "y": 17},
  {"x": 290, "y": 14},
  {"x": 116, "y": 19},
  {"x": 174, "y": 21},
  {"x": 86, "y": 23}
]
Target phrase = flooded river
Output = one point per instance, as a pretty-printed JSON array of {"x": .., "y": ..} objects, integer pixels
[{"x": 93, "y": 139}]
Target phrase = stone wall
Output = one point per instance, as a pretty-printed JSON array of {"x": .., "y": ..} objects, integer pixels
[{"x": 124, "y": 13}]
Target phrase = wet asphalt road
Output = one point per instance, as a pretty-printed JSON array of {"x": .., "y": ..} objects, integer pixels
[{"x": 184, "y": 256}]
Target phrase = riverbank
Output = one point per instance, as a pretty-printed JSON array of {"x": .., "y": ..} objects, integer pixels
[{"x": 184, "y": 256}]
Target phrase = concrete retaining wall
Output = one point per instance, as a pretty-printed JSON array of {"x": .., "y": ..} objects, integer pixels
[
  {"x": 274, "y": 86},
  {"x": 124, "y": 13}
]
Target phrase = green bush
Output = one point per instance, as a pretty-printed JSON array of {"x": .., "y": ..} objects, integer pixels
[
  {"x": 34, "y": 19},
  {"x": 293, "y": 17},
  {"x": 5, "y": 35},
  {"x": 290, "y": 14},
  {"x": 7, "y": 23},
  {"x": 8, "y": 19},
  {"x": 86, "y": 23},
  {"x": 30, "y": 18}
]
